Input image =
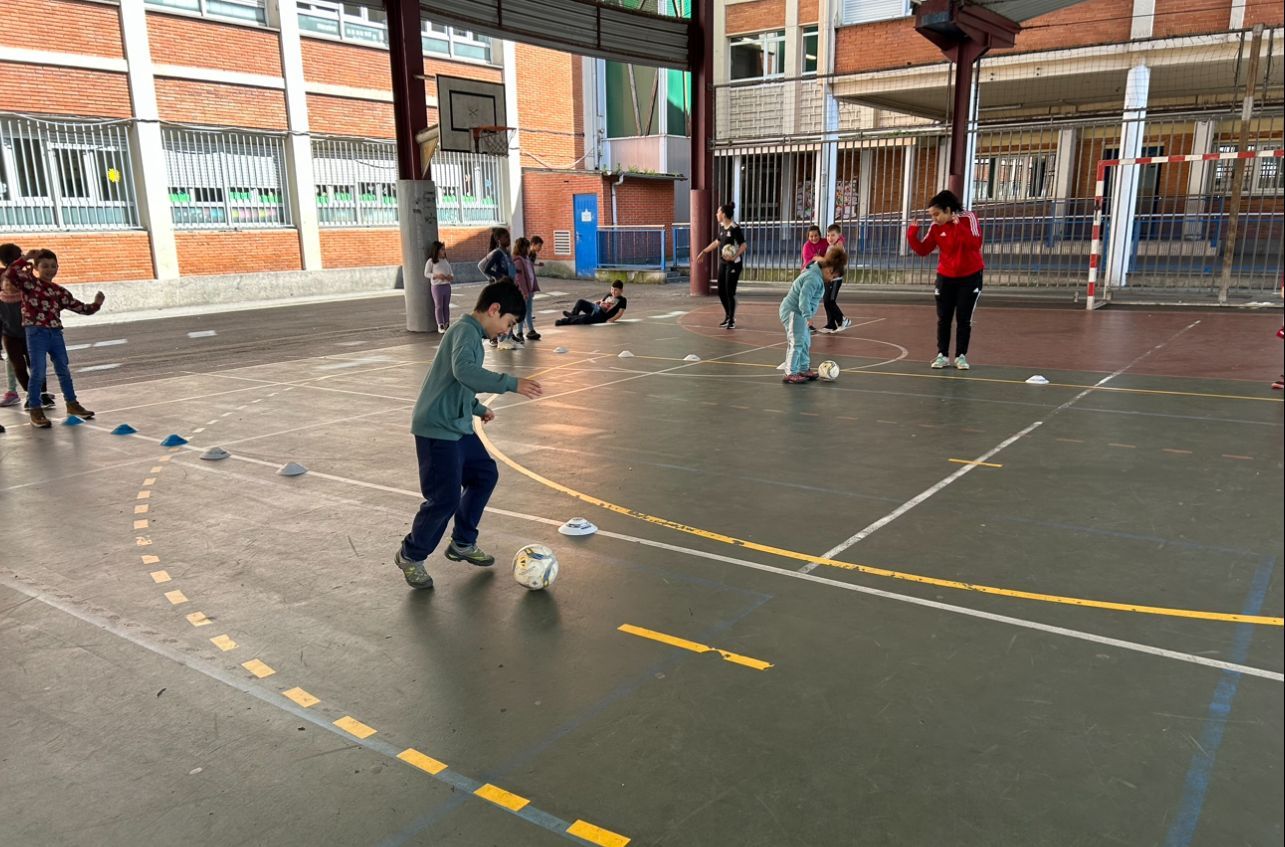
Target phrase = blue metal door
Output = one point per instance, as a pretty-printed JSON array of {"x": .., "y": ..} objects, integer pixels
[{"x": 586, "y": 229}]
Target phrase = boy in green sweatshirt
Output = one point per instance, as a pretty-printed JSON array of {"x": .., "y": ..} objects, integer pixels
[{"x": 456, "y": 474}]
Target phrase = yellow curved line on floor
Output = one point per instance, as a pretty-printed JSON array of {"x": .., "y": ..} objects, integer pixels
[{"x": 1197, "y": 614}]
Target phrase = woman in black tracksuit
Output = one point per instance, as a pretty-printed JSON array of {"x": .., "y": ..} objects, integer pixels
[{"x": 731, "y": 247}]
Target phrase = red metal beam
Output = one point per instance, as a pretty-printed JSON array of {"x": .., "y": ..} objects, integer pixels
[
  {"x": 701, "y": 50},
  {"x": 406, "y": 53}
]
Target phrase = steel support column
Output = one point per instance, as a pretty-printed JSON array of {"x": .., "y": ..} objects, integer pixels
[{"x": 701, "y": 49}]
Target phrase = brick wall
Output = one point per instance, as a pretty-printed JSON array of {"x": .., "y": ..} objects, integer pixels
[
  {"x": 550, "y": 107},
  {"x": 212, "y": 103},
  {"x": 808, "y": 12},
  {"x": 1181, "y": 17},
  {"x": 547, "y": 203},
  {"x": 344, "y": 116},
  {"x": 92, "y": 256},
  {"x": 177, "y": 40},
  {"x": 466, "y": 70},
  {"x": 1267, "y": 12},
  {"x": 346, "y": 64},
  {"x": 756, "y": 17},
  {"x": 343, "y": 247},
  {"x": 63, "y": 91},
  {"x": 212, "y": 252},
  {"x": 639, "y": 202},
  {"x": 883, "y": 44},
  {"x": 66, "y": 26}
]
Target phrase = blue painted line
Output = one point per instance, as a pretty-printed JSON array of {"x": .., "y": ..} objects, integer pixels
[{"x": 1183, "y": 829}]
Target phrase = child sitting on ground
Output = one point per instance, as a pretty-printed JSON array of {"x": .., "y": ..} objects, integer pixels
[{"x": 606, "y": 310}]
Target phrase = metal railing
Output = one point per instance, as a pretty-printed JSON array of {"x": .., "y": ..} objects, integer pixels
[
  {"x": 226, "y": 180},
  {"x": 471, "y": 188},
  {"x": 356, "y": 182},
  {"x": 638, "y": 247},
  {"x": 65, "y": 175}
]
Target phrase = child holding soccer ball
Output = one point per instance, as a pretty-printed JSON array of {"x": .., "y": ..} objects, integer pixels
[
  {"x": 731, "y": 247},
  {"x": 799, "y": 304}
]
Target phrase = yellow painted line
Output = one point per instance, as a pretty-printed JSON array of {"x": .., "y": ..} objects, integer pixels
[
  {"x": 258, "y": 668},
  {"x": 199, "y": 619},
  {"x": 143, "y": 495},
  {"x": 141, "y": 509},
  {"x": 143, "y": 541},
  {"x": 167, "y": 458},
  {"x": 871, "y": 570},
  {"x": 151, "y": 560},
  {"x": 151, "y": 480},
  {"x": 303, "y": 698},
  {"x": 1071, "y": 440},
  {"x": 156, "y": 469},
  {"x": 975, "y": 462},
  {"x": 352, "y": 726},
  {"x": 596, "y": 834},
  {"x": 160, "y": 576},
  {"x": 176, "y": 597},
  {"x": 223, "y": 642},
  {"x": 416, "y": 759},
  {"x": 694, "y": 646},
  {"x": 141, "y": 524},
  {"x": 500, "y": 797}
]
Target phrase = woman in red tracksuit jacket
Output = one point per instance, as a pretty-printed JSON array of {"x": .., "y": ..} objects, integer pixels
[{"x": 958, "y": 238}]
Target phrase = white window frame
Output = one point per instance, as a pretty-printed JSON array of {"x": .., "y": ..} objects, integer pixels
[
  {"x": 1027, "y": 181},
  {"x": 770, "y": 43},
  {"x": 255, "y": 13},
  {"x": 814, "y": 32},
  {"x": 1255, "y": 170},
  {"x": 357, "y": 27}
]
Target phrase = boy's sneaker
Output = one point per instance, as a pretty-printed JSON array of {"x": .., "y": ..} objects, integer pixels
[
  {"x": 826, "y": 330},
  {"x": 416, "y": 576},
  {"x": 10, "y": 399},
  {"x": 470, "y": 554},
  {"x": 794, "y": 379},
  {"x": 731, "y": 324},
  {"x": 441, "y": 328},
  {"x": 567, "y": 314},
  {"x": 47, "y": 400},
  {"x": 940, "y": 362},
  {"x": 725, "y": 322},
  {"x": 506, "y": 344},
  {"x": 847, "y": 322},
  {"x": 74, "y": 408},
  {"x": 519, "y": 338},
  {"x": 495, "y": 343},
  {"x": 39, "y": 420},
  {"x": 533, "y": 336},
  {"x": 962, "y": 363}
]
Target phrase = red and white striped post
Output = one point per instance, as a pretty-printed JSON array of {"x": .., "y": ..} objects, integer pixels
[{"x": 1099, "y": 190}]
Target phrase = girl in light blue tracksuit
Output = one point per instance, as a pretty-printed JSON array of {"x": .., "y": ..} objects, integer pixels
[{"x": 799, "y": 305}]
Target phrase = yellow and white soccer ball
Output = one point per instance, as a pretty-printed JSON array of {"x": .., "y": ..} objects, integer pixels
[
  {"x": 828, "y": 370},
  {"x": 535, "y": 567},
  {"x": 729, "y": 252}
]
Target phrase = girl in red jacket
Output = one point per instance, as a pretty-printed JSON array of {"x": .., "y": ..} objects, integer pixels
[{"x": 956, "y": 234}]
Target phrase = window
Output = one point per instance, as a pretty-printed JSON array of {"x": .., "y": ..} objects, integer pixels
[
  {"x": 470, "y": 188},
  {"x": 1026, "y": 176},
  {"x": 359, "y": 24},
  {"x": 456, "y": 43},
  {"x": 237, "y": 10},
  {"x": 225, "y": 180},
  {"x": 811, "y": 41},
  {"x": 57, "y": 175},
  {"x": 759, "y": 56},
  {"x": 866, "y": 11},
  {"x": 1262, "y": 176}
]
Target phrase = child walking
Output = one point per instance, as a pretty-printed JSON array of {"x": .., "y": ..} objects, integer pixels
[
  {"x": 527, "y": 285},
  {"x": 42, "y": 303},
  {"x": 456, "y": 474},
  {"x": 533, "y": 259},
  {"x": 799, "y": 304},
  {"x": 498, "y": 264},
  {"x": 440, "y": 276}
]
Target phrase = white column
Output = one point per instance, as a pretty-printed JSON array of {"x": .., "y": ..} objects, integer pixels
[
  {"x": 303, "y": 188},
  {"x": 970, "y": 163},
  {"x": 908, "y": 191},
  {"x": 1203, "y": 140},
  {"x": 943, "y": 163},
  {"x": 1237, "y": 20},
  {"x": 148, "y": 152},
  {"x": 829, "y": 155},
  {"x": 1144, "y": 19},
  {"x": 1063, "y": 176},
  {"x": 1124, "y": 199},
  {"x": 791, "y": 92},
  {"x": 864, "y": 180},
  {"x": 736, "y": 188},
  {"x": 593, "y": 87},
  {"x": 513, "y": 180}
]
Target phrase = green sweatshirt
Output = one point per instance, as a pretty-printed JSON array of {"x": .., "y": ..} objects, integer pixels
[{"x": 448, "y": 398}]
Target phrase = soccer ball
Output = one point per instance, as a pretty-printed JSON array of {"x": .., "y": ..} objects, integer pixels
[
  {"x": 828, "y": 370},
  {"x": 729, "y": 252},
  {"x": 535, "y": 567}
]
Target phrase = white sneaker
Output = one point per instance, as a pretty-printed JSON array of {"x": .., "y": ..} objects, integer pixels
[
  {"x": 940, "y": 362},
  {"x": 962, "y": 363},
  {"x": 847, "y": 322},
  {"x": 506, "y": 344}
]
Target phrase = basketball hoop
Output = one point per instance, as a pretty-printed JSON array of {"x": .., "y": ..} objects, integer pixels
[{"x": 492, "y": 140}]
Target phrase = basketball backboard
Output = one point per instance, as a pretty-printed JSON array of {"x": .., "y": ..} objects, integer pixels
[{"x": 463, "y": 105}]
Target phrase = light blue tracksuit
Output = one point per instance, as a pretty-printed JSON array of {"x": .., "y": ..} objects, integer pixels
[{"x": 796, "y": 308}]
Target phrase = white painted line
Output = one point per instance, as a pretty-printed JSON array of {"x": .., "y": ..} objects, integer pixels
[
  {"x": 203, "y": 333},
  {"x": 349, "y": 343},
  {"x": 115, "y": 342},
  {"x": 667, "y": 315},
  {"x": 88, "y": 368},
  {"x": 541, "y": 312},
  {"x": 355, "y": 363},
  {"x": 71, "y": 347},
  {"x": 198, "y": 430}
]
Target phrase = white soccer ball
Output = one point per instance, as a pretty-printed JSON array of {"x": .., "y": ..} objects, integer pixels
[
  {"x": 535, "y": 567},
  {"x": 729, "y": 252},
  {"x": 828, "y": 370}
]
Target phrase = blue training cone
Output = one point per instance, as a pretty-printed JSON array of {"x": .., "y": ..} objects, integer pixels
[
  {"x": 173, "y": 441},
  {"x": 72, "y": 420},
  {"x": 124, "y": 429}
]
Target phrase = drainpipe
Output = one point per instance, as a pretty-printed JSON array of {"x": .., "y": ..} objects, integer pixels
[{"x": 614, "y": 220}]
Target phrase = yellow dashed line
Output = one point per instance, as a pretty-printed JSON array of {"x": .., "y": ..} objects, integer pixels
[
  {"x": 694, "y": 646},
  {"x": 198, "y": 619},
  {"x": 156, "y": 469},
  {"x": 151, "y": 480},
  {"x": 141, "y": 509},
  {"x": 303, "y": 698},
  {"x": 258, "y": 668},
  {"x": 176, "y": 597},
  {"x": 166, "y": 458},
  {"x": 500, "y": 797},
  {"x": 160, "y": 576},
  {"x": 223, "y": 642},
  {"x": 140, "y": 524},
  {"x": 143, "y": 541},
  {"x": 143, "y": 495},
  {"x": 974, "y": 462},
  {"x": 596, "y": 834},
  {"x": 416, "y": 759},
  {"x": 151, "y": 560},
  {"x": 352, "y": 726}
]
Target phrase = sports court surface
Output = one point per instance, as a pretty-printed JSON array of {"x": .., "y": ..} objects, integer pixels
[{"x": 944, "y": 608}]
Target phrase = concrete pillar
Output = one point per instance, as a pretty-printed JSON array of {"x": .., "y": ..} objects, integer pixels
[
  {"x": 1063, "y": 177},
  {"x": 1203, "y": 140},
  {"x": 284, "y": 15},
  {"x": 829, "y": 156},
  {"x": 970, "y": 162},
  {"x": 417, "y": 212},
  {"x": 907, "y": 193},
  {"x": 1124, "y": 199},
  {"x": 1237, "y": 20},
  {"x": 148, "y": 152},
  {"x": 513, "y": 178},
  {"x": 864, "y": 180},
  {"x": 1144, "y": 19}
]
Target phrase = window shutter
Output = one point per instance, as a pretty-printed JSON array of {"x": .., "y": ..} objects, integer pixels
[{"x": 866, "y": 11}]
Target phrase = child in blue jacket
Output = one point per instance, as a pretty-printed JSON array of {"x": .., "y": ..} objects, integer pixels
[{"x": 799, "y": 304}]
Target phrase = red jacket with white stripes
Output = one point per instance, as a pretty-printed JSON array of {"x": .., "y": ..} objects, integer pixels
[{"x": 959, "y": 245}]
